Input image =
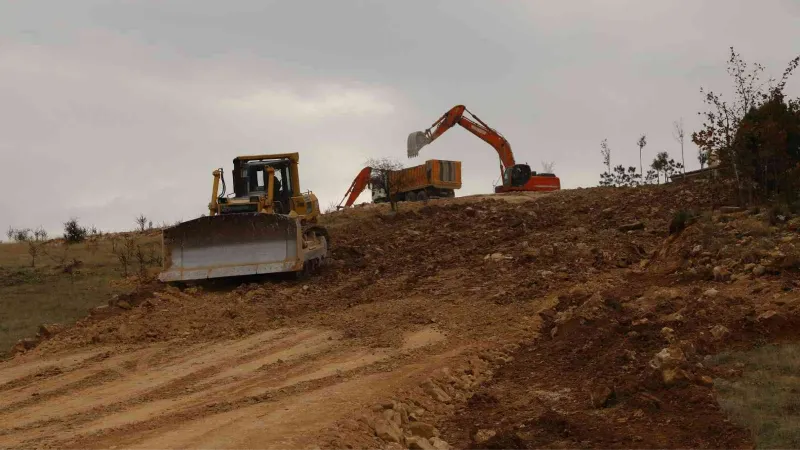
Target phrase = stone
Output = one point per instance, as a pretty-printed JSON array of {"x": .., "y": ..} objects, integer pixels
[
  {"x": 440, "y": 444},
  {"x": 705, "y": 380},
  {"x": 419, "y": 443},
  {"x": 759, "y": 270},
  {"x": 631, "y": 227},
  {"x": 749, "y": 267},
  {"x": 766, "y": 315},
  {"x": 124, "y": 305},
  {"x": 711, "y": 293},
  {"x": 602, "y": 396},
  {"x": 668, "y": 357},
  {"x": 668, "y": 333},
  {"x": 392, "y": 417},
  {"x": 430, "y": 388},
  {"x": 388, "y": 431},
  {"x": 721, "y": 274},
  {"x": 697, "y": 249},
  {"x": 24, "y": 345},
  {"x": 483, "y": 435},
  {"x": 719, "y": 331},
  {"x": 47, "y": 331},
  {"x": 422, "y": 429},
  {"x": 675, "y": 377}
]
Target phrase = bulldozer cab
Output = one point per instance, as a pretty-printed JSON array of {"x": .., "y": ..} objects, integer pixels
[{"x": 251, "y": 178}]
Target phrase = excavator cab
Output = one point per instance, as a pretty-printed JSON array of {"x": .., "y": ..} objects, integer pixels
[{"x": 517, "y": 175}]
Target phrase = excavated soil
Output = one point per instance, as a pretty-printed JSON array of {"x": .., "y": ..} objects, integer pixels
[{"x": 571, "y": 319}]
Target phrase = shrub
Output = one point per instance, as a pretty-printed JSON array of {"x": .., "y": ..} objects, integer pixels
[
  {"x": 680, "y": 220},
  {"x": 73, "y": 232}
]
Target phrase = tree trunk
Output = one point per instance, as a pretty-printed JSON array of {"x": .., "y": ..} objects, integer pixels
[{"x": 683, "y": 160}]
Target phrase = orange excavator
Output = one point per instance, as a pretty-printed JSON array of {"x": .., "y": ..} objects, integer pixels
[
  {"x": 357, "y": 187},
  {"x": 516, "y": 177}
]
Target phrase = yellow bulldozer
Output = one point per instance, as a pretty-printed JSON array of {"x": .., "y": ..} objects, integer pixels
[{"x": 267, "y": 225}]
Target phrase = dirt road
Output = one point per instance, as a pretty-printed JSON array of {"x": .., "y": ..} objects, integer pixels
[{"x": 274, "y": 389}]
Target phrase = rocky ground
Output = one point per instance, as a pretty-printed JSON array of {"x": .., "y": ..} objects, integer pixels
[{"x": 583, "y": 318}]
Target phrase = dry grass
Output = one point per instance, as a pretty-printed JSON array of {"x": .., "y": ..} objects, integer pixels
[
  {"x": 48, "y": 293},
  {"x": 765, "y": 399}
]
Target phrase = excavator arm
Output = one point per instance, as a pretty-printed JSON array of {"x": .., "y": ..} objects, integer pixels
[
  {"x": 356, "y": 188},
  {"x": 473, "y": 124}
]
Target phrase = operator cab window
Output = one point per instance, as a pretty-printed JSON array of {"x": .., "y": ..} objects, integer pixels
[{"x": 256, "y": 178}]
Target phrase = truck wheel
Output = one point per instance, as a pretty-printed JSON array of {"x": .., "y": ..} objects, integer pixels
[
  {"x": 422, "y": 197},
  {"x": 411, "y": 197}
]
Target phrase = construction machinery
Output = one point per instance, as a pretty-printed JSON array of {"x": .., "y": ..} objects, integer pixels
[
  {"x": 516, "y": 177},
  {"x": 267, "y": 225},
  {"x": 434, "y": 179}
]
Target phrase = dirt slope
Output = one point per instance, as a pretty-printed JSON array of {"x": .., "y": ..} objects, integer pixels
[{"x": 492, "y": 321}]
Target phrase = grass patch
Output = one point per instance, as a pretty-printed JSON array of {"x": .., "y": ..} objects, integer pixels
[
  {"x": 766, "y": 398},
  {"x": 51, "y": 292}
]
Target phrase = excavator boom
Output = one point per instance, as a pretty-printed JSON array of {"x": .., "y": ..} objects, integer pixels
[
  {"x": 516, "y": 177},
  {"x": 356, "y": 188},
  {"x": 472, "y": 124}
]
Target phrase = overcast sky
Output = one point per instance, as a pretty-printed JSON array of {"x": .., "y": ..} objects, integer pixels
[{"x": 109, "y": 109}]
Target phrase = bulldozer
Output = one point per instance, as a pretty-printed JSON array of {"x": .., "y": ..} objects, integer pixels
[{"x": 266, "y": 225}]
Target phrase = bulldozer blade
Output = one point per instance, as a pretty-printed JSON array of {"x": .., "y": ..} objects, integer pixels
[
  {"x": 232, "y": 245},
  {"x": 416, "y": 141}
]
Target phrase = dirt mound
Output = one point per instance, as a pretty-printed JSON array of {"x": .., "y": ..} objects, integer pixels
[{"x": 572, "y": 319}]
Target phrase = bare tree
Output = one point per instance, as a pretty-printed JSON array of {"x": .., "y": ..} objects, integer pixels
[
  {"x": 381, "y": 170},
  {"x": 547, "y": 167},
  {"x": 678, "y": 134},
  {"x": 141, "y": 221},
  {"x": 605, "y": 151},
  {"x": 33, "y": 250},
  {"x": 641, "y": 143}
]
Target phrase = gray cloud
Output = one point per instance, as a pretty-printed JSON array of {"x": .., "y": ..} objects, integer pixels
[{"x": 109, "y": 109}]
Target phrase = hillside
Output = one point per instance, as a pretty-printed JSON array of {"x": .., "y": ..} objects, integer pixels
[{"x": 571, "y": 319}]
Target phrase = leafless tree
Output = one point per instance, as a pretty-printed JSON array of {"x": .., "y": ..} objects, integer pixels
[
  {"x": 33, "y": 250},
  {"x": 641, "y": 143},
  {"x": 605, "y": 151},
  {"x": 679, "y": 134},
  {"x": 381, "y": 170},
  {"x": 141, "y": 221}
]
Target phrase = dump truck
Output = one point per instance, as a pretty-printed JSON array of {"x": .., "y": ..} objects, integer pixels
[
  {"x": 434, "y": 179},
  {"x": 266, "y": 225}
]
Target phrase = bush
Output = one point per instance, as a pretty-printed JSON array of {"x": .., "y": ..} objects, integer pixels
[
  {"x": 19, "y": 234},
  {"x": 73, "y": 232},
  {"x": 680, "y": 220}
]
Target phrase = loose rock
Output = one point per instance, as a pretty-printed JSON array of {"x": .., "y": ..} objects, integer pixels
[
  {"x": 631, "y": 227},
  {"x": 430, "y": 388},
  {"x": 483, "y": 435},
  {"x": 387, "y": 431},
  {"x": 422, "y": 429},
  {"x": 440, "y": 444},
  {"x": 419, "y": 443}
]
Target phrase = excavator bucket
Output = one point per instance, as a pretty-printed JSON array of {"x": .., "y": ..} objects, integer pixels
[
  {"x": 233, "y": 245},
  {"x": 416, "y": 141}
]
